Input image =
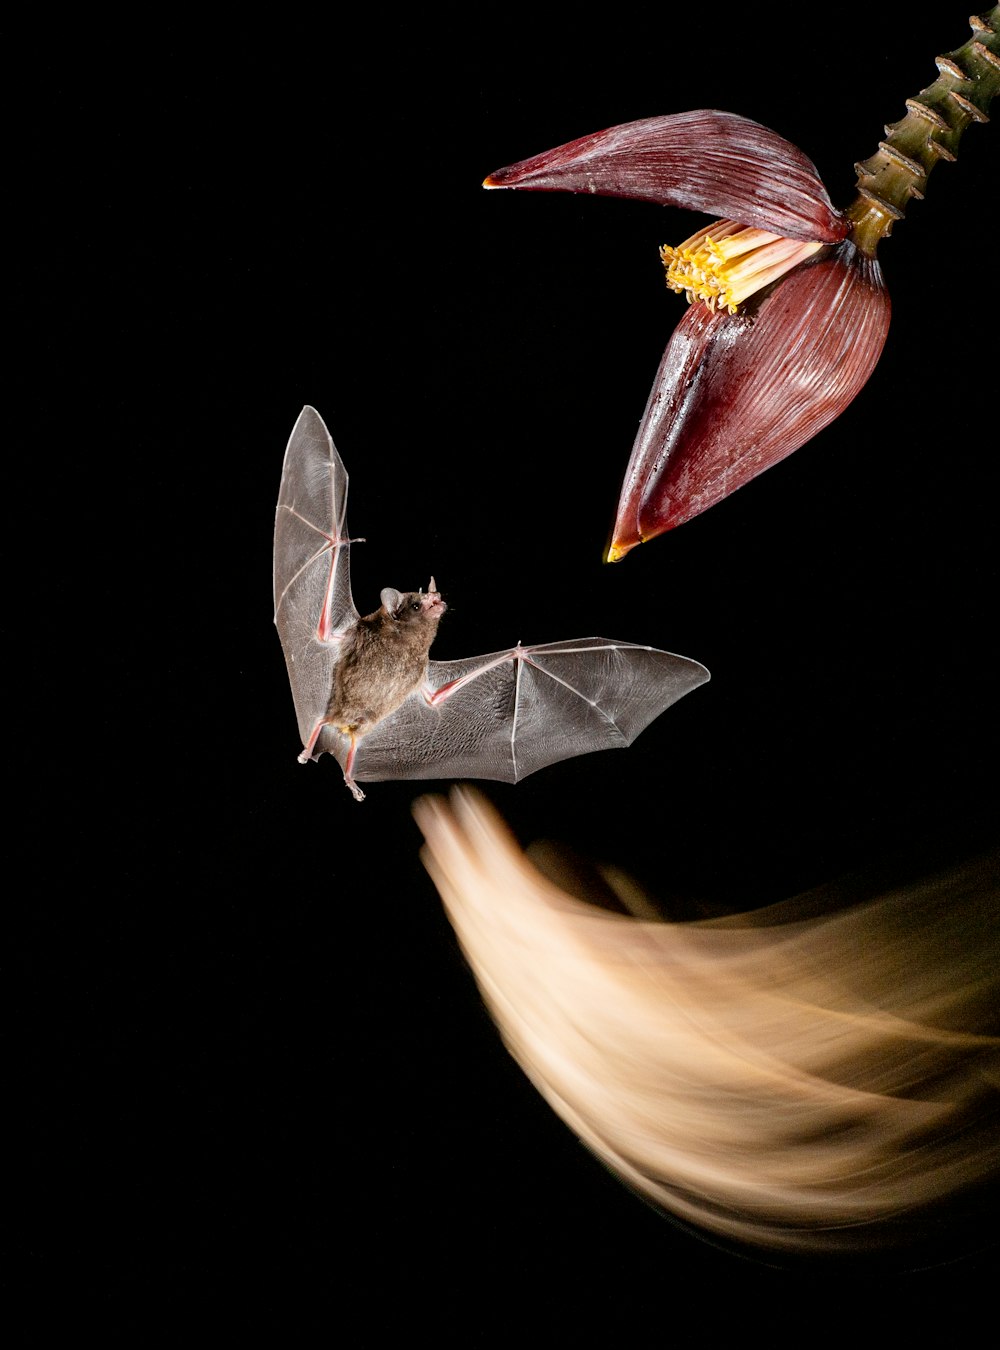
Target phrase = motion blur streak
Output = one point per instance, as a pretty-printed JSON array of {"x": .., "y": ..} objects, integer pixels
[{"x": 777, "y": 1078}]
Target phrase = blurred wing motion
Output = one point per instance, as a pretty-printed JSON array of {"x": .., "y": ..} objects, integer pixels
[
  {"x": 501, "y": 716},
  {"x": 789, "y": 1079}
]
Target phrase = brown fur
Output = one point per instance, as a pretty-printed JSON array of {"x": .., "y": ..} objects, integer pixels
[{"x": 385, "y": 663}]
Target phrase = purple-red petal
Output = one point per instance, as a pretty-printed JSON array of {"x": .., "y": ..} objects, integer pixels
[
  {"x": 710, "y": 161},
  {"x": 736, "y": 393}
]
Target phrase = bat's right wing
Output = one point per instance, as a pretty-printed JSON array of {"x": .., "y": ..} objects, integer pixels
[
  {"x": 507, "y": 715},
  {"x": 312, "y": 579}
]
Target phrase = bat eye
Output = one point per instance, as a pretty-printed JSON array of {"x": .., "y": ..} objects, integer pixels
[{"x": 415, "y": 605}]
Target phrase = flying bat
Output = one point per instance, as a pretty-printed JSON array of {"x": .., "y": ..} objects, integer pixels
[{"x": 366, "y": 692}]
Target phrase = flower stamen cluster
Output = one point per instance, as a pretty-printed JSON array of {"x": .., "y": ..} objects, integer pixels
[{"x": 726, "y": 263}]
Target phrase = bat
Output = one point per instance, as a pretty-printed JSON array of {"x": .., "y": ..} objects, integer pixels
[{"x": 366, "y": 692}]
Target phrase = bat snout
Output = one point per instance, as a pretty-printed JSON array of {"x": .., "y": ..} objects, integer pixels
[{"x": 432, "y": 601}]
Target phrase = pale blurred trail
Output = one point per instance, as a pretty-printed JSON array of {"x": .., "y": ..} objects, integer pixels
[{"x": 793, "y": 1083}]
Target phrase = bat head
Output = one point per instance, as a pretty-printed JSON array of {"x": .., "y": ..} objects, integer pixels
[{"x": 414, "y": 608}]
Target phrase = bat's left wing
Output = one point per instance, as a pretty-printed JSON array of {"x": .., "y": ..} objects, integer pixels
[
  {"x": 509, "y": 714},
  {"x": 313, "y": 607}
]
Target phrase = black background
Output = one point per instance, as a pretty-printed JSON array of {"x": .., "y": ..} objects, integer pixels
[{"x": 261, "y": 1085}]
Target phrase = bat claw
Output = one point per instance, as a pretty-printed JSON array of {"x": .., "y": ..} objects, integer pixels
[{"x": 359, "y": 796}]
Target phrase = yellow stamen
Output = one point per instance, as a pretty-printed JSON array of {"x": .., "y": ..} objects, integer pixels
[{"x": 726, "y": 263}]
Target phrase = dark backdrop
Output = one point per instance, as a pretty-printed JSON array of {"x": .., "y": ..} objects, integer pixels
[{"x": 262, "y": 1086}]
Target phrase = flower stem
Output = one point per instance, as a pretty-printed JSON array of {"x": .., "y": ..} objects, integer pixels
[{"x": 967, "y": 80}]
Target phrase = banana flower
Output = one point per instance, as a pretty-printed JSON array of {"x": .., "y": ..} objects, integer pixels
[{"x": 788, "y": 309}]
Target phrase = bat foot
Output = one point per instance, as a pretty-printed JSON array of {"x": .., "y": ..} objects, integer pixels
[
  {"x": 359, "y": 796},
  {"x": 304, "y": 758}
]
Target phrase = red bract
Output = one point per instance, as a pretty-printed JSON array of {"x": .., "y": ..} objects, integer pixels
[{"x": 735, "y": 392}]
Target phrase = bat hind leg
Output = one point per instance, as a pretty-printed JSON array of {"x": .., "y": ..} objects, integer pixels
[
  {"x": 359, "y": 796},
  {"x": 306, "y": 753}
]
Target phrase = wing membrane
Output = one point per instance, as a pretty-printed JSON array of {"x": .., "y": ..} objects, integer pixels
[
  {"x": 312, "y": 580},
  {"x": 512, "y": 713}
]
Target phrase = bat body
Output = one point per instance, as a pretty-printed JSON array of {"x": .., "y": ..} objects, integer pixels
[{"x": 366, "y": 691}]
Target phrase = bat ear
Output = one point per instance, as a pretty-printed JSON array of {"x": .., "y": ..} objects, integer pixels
[{"x": 390, "y": 600}]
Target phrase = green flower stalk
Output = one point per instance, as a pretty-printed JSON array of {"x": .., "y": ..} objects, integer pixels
[{"x": 968, "y": 80}]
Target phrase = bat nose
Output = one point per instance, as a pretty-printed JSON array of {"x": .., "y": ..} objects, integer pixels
[{"x": 432, "y": 600}]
